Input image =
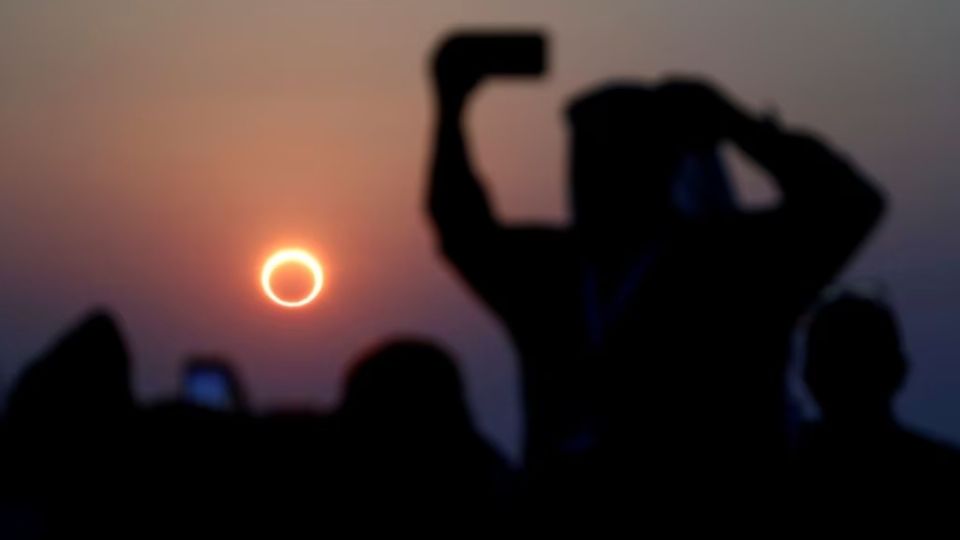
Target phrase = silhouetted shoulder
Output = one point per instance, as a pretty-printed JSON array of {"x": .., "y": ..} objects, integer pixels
[{"x": 931, "y": 451}]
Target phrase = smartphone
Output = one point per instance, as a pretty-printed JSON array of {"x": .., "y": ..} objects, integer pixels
[
  {"x": 496, "y": 53},
  {"x": 211, "y": 384}
]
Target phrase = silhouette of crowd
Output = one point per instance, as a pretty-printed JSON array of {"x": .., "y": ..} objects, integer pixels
[{"x": 654, "y": 335}]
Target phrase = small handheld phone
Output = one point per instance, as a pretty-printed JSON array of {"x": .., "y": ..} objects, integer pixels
[
  {"x": 477, "y": 54},
  {"x": 210, "y": 383}
]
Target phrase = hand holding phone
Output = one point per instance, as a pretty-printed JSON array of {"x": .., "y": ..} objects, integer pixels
[{"x": 466, "y": 58}]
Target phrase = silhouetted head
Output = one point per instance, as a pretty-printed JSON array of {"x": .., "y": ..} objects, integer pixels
[
  {"x": 85, "y": 377},
  {"x": 408, "y": 386},
  {"x": 855, "y": 364},
  {"x": 624, "y": 158}
]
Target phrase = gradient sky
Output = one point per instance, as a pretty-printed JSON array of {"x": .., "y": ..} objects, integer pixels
[{"x": 153, "y": 153}]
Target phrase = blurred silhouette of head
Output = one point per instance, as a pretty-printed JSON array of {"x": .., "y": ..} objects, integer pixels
[
  {"x": 84, "y": 377},
  {"x": 855, "y": 364},
  {"x": 409, "y": 386},
  {"x": 624, "y": 158}
]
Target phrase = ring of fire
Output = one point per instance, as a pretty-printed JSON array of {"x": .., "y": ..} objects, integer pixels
[{"x": 292, "y": 256}]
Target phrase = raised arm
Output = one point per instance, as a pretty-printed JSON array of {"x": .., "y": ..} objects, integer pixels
[
  {"x": 812, "y": 178},
  {"x": 828, "y": 207},
  {"x": 457, "y": 203}
]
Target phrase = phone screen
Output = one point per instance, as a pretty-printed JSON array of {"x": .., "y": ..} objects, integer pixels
[{"x": 209, "y": 388}]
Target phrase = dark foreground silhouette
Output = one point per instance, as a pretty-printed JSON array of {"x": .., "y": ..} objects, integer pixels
[
  {"x": 653, "y": 340},
  {"x": 653, "y": 334},
  {"x": 81, "y": 458},
  {"x": 858, "y": 457}
]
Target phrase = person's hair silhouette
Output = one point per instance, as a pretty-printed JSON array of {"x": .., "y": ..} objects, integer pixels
[
  {"x": 629, "y": 143},
  {"x": 855, "y": 364},
  {"x": 409, "y": 385},
  {"x": 407, "y": 443}
]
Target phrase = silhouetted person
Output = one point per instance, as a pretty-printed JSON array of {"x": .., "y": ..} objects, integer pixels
[
  {"x": 653, "y": 342},
  {"x": 858, "y": 456},
  {"x": 70, "y": 415},
  {"x": 409, "y": 448},
  {"x": 84, "y": 378},
  {"x": 86, "y": 461}
]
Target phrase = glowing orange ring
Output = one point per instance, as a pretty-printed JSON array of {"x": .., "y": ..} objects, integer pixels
[{"x": 298, "y": 256}]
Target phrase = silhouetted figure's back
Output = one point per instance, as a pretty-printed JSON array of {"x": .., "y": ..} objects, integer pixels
[
  {"x": 408, "y": 448},
  {"x": 85, "y": 460},
  {"x": 69, "y": 416},
  {"x": 858, "y": 457},
  {"x": 651, "y": 339},
  {"x": 83, "y": 378}
]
